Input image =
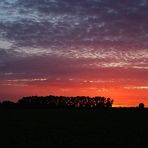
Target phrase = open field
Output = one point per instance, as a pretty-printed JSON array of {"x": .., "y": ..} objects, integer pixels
[{"x": 73, "y": 128}]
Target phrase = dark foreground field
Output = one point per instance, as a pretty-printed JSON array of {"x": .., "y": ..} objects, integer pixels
[{"x": 71, "y": 128}]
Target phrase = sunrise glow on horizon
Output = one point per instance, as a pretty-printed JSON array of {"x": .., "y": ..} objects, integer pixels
[{"x": 74, "y": 48}]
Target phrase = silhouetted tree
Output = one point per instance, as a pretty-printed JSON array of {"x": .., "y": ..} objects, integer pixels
[
  {"x": 109, "y": 103},
  {"x": 70, "y": 102}
]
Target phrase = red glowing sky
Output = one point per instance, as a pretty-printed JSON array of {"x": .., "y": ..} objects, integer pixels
[{"x": 77, "y": 47}]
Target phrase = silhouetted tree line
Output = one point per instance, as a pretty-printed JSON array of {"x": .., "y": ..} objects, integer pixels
[{"x": 61, "y": 101}]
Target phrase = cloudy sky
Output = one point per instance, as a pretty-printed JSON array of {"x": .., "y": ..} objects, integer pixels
[{"x": 74, "y": 47}]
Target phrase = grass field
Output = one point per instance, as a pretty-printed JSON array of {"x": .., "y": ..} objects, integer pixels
[{"x": 73, "y": 128}]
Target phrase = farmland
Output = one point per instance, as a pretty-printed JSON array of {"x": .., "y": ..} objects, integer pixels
[{"x": 73, "y": 128}]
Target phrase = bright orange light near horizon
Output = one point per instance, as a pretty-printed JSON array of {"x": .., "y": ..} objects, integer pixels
[
  {"x": 70, "y": 48},
  {"x": 120, "y": 95}
]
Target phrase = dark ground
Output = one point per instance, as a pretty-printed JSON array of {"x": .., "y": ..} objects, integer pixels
[{"x": 73, "y": 128}]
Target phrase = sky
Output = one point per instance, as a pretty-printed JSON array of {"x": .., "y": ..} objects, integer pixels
[{"x": 74, "y": 47}]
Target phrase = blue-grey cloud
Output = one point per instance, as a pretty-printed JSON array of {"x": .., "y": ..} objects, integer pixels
[
  {"x": 60, "y": 23},
  {"x": 65, "y": 37}
]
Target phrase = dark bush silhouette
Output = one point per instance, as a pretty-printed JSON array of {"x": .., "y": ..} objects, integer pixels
[
  {"x": 7, "y": 104},
  {"x": 141, "y": 105}
]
